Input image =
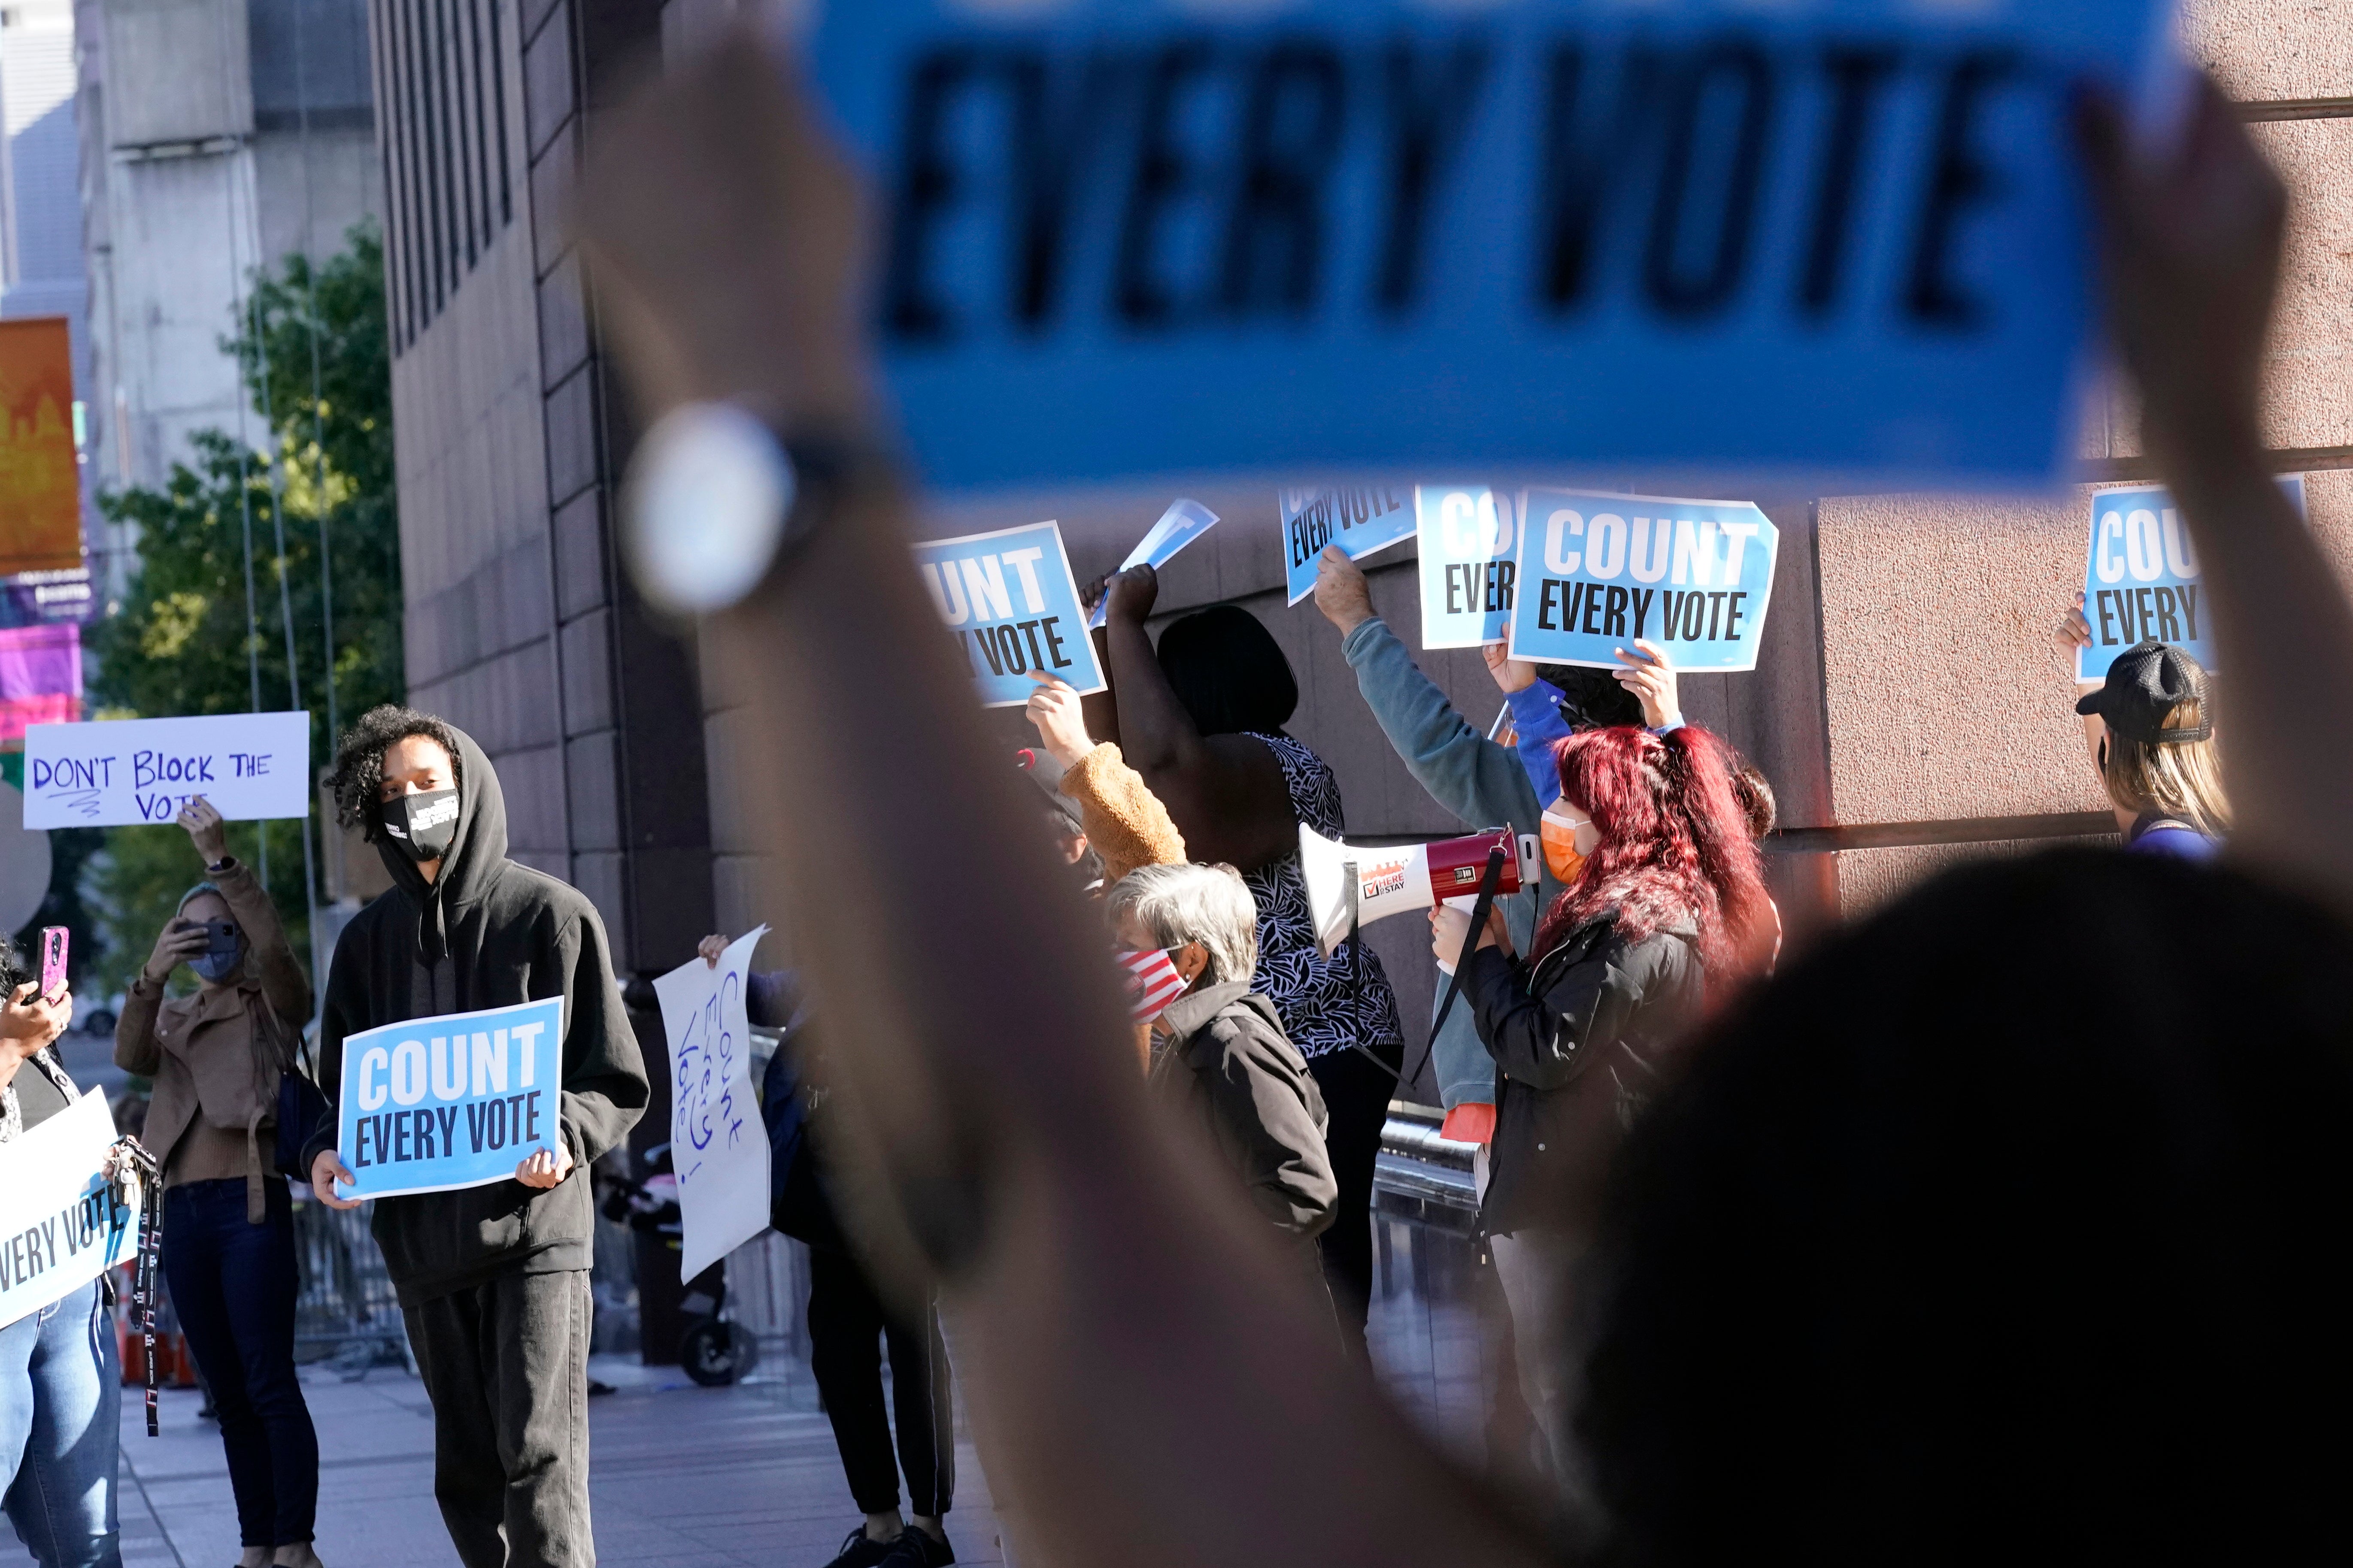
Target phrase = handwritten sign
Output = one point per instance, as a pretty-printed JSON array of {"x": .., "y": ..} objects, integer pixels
[
  {"x": 1358, "y": 521},
  {"x": 249, "y": 766},
  {"x": 718, "y": 1145},
  {"x": 61, "y": 1224},
  {"x": 2142, "y": 578},
  {"x": 1598, "y": 571},
  {"x": 432, "y": 1105},
  {"x": 1183, "y": 523},
  {"x": 1013, "y": 605},
  {"x": 1395, "y": 235},
  {"x": 1468, "y": 543}
]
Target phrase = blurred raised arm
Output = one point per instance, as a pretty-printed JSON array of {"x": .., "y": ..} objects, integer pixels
[{"x": 1139, "y": 1347}]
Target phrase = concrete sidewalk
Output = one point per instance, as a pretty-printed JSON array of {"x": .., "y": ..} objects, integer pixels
[{"x": 681, "y": 1478}]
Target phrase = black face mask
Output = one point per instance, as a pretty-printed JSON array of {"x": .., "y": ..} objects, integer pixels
[{"x": 423, "y": 825}]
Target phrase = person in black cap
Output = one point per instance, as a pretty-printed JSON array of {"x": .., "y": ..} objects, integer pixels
[
  {"x": 493, "y": 1280},
  {"x": 2150, "y": 726}
]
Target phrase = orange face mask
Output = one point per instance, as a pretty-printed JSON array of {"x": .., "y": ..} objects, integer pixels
[{"x": 1562, "y": 856}]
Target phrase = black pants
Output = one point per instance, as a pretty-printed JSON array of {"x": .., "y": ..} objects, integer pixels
[
  {"x": 846, "y": 1320},
  {"x": 1356, "y": 1096},
  {"x": 233, "y": 1283},
  {"x": 506, "y": 1366}
]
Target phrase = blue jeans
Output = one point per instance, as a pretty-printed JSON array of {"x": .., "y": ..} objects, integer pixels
[
  {"x": 233, "y": 1283},
  {"x": 60, "y": 1389}
]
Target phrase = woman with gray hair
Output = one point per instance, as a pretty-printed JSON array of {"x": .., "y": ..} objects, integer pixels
[{"x": 1220, "y": 1057}]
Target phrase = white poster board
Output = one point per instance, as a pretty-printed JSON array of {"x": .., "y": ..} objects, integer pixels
[
  {"x": 124, "y": 771},
  {"x": 719, "y": 1145},
  {"x": 61, "y": 1224}
]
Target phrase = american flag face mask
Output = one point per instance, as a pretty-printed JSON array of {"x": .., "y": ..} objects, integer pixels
[{"x": 1153, "y": 983}]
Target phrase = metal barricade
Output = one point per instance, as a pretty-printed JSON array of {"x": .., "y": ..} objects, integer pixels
[
  {"x": 767, "y": 1293},
  {"x": 346, "y": 1311}
]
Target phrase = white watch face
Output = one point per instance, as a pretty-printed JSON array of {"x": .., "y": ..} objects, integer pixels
[{"x": 708, "y": 492}]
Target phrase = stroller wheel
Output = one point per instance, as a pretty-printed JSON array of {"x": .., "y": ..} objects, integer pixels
[{"x": 716, "y": 1353}]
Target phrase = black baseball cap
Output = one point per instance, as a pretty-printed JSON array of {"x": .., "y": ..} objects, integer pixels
[{"x": 2144, "y": 685}]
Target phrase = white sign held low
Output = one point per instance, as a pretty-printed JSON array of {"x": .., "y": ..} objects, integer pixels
[
  {"x": 61, "y": 1223},
  {"x": 124, "y": 771},
  {"x": 719, "y": 1145}
]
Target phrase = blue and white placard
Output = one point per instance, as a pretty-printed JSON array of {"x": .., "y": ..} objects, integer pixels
[
  {"x": 435, "y": 1104},
  {"x": 1360, "y": 519},
  {"x": 62, "y": 1223},
  {"x": 1468, "y": 544},
  {"x": 1010, "y": 600},
  {"x": 2142, "y": 579},
  {"x": 1598, "y": 571}
]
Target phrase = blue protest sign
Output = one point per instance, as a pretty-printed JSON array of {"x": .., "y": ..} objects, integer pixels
[
  {"x": 435, "y": 1104},
  {"x": 1130, "y": 237},
  {"x": 1010, "y": 600},
  {"x": 1598, "y": 571},
  {"x": 1183, "y": 523},
  {"x": 2141, "y": 577},
  {"x": 1358, "y": 521},
  {"x": 1468, "y": 546}
]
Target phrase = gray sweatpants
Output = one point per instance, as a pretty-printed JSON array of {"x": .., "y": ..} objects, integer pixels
[{"x": 506, "y": 1366}]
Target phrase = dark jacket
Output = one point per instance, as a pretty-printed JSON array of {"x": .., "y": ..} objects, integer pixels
[
  {"x": 1594, "y": 1017},
  {"x": 487, "y": 934},
  {"x": 1228, "y": 1066}
]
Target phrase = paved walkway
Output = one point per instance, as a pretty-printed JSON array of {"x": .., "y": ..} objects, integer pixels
[{"x": 682, "y": 1478}]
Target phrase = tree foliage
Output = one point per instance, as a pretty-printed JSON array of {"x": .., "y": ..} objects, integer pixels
[{"x": 187, "y": 638}]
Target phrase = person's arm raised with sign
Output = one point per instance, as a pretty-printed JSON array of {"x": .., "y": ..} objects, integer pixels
[
  {"x": 1223, "y": 786},
  {"x": 2193, "y": 243}
]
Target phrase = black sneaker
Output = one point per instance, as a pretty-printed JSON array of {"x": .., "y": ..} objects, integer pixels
[
  {"x": 861, "y": 1550},
  {"x": 917, "y": 1549}
]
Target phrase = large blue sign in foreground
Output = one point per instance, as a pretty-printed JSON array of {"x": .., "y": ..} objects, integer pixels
[
  {"x": 1122, "y": 237},
  {"x": 1597, "y": 572},
  {"x": 435, "y": 1104}
]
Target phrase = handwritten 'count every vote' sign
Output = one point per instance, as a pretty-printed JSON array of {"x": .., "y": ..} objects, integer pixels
[
  {"x": 120, "y": 771},
  {"x": 435, "y": 1104},
  {"x": 1842, "y": 237}
]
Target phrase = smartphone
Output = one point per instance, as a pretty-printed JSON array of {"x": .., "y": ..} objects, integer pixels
[{"x": 53, "y": 959}]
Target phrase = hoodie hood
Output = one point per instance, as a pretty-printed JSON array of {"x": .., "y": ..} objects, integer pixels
[{"x": 476, "y": 855}]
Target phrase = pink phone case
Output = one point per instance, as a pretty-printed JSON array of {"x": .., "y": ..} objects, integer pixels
[{"x": 53, "y": 958}]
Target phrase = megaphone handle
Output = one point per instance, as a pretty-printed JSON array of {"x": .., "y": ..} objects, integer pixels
[{"x": 1489, "y": 882}]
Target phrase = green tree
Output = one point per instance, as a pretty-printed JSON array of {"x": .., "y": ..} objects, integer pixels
[{"x": 315, "y": 353}]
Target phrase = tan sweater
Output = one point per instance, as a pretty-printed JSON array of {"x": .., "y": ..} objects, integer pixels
[{"x": 1126, "y": 825}]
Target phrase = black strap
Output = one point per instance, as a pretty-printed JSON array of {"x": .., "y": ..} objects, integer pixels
[
  {"x": 1490, "y": 881},
  {"x": 145, "y": 1283}
]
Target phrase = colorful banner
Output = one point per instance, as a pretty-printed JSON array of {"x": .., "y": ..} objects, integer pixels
[
  {"x": 2142, "y": 579},
  {"x": 249, "y": 765},
  {"x": 718, "y": 1143},
  {"x": 40, "y": 474},
  {"x": 1598, "y": 571},
  {"x": 435, "y": 1104},
  {"x": 1358, "y": 521},
  {"x": 61, "y": 1222},
  {"x": 1183, "y": 523},
  {"x": 40, "y": 679},
  {"x": 38, "y": 598},
  {"x": 1010, "y": 600},
  {"x": 1842, "y": 239},
  {"x": 1468, "y": 545}
]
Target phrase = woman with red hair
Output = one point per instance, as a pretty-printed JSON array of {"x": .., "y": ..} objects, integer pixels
[{"x": 1667, "y": 900}]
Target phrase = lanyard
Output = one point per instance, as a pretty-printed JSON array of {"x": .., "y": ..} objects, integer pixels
[{"x": 142, "y": 1168}]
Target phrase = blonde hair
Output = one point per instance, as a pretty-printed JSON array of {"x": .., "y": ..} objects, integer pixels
[{"x": 2182, "y": 781}]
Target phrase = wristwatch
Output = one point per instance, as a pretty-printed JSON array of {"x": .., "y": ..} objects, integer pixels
[
  {"x": 715, "y": 499},
  {"x": 220, "y": 865}
]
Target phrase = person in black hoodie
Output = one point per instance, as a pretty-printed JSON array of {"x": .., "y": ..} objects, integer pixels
[{"x": 493, "y": 1280}]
